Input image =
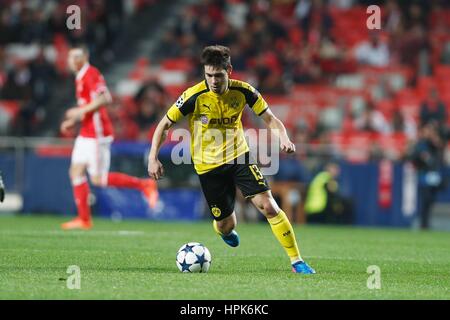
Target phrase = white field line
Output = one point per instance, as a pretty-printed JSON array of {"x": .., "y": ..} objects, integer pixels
[{"x": 94, "y": 233}]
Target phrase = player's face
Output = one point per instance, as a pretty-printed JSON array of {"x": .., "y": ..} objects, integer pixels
[
  {"x": 217, "y": 78},
  {"x": 76, "y": 59}
]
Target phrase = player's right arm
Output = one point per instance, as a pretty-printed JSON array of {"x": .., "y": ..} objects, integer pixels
[
  {"x": 182, "y": 107},
  {"x": 155, "y": 167},
  {"x": 67, "y": 125}
]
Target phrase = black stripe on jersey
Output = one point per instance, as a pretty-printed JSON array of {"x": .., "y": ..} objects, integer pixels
[
  {"x": 263, "y": 111},
  {"x": 189, "y": 105},
  {"x": 169, "y": 118},
  {"x": 250, "y": 96}
]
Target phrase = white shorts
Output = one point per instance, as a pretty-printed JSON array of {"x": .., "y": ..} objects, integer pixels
[{"x": 93, "y": 152}]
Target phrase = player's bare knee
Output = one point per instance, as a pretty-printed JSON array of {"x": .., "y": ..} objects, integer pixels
[
  {"x": 72, "y": 173},
  {"x": 268, "y": 206},
  {"x": 75, "y": 173},
  {"x": 269, "y": 209}
]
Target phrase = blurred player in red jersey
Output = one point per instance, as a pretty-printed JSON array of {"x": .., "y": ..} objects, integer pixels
[{"x": 91, "y": 152}]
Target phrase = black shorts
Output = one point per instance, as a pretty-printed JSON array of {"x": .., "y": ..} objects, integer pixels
[{"x": 219, "y": 186}]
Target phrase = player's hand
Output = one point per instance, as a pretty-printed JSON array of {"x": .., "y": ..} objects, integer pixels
[
  {"x": 287, "y": 146},
  {"x": 155, "y": 169},
  {"x": 75, "y": 114},
  {"x": 67, "y": 126}
]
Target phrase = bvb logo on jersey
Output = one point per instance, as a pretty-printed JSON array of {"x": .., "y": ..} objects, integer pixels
[
  {"x": 216, "y": 212},
  {"x": 234, "y": 103}
]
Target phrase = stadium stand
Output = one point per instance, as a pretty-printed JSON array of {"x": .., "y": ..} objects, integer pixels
[
  {"x": 305, "y": 53},
  {"x": 361, "y": 94}
]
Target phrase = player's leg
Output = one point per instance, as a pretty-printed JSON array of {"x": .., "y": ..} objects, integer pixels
[
  {"x": 220, "y": 192},
  {"x": 100, "y": 176},
  {"x": 226, "y": 225},
  {"x": 147, "y": 186},
  {"x": 254, "y": 186},
  {"x": 80, "y": 186},
  {"x": 226, "y": 229},
  {"x": 282, "y": 229}
]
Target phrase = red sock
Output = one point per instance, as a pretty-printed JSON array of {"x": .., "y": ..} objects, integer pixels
[
  {"x": 120, "y": 180},
  {"x": 81, "y": 194}
]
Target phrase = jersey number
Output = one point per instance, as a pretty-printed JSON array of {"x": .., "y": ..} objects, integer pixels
[{"x": 258, "y": 175}]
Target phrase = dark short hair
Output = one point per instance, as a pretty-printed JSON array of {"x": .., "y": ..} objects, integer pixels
[
  {"x": 83, "y": 47},
  {"x": 217, "y": 56}
]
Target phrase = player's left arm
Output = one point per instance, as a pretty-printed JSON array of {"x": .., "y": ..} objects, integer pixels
[
  {"x": 278, "y": 128},
  {"x": 101, "y": 99},
  {"x": 99, "y": 93}
]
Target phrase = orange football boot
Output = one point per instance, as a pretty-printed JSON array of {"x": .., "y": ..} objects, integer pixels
[{"x": 77, "y": 223}]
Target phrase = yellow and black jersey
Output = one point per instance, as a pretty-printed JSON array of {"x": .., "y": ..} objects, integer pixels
[{"x": 217, "y": 136}]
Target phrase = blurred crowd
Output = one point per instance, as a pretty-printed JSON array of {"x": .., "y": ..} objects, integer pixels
[
  {"x": 281, "y": 44},
  {"x": 285, "y": 48},
  {"x": 303, "y": 41},
  {"x": 276, "y": 44},
  {"x": 135, "y": 119},
  {"x": 39, "y": 21},
  {"x": 34, "y": 39}
]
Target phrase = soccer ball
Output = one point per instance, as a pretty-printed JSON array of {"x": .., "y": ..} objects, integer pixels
[{"x": 193, "y": 257}]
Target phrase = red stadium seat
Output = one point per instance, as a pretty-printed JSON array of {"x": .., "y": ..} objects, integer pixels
[
  {"x": 396, "y": 144},
  {"x": 238, "y": 75},
  {"x": 137, "y": 74},
  {"x": 424, "y": 84},
  {"x": 358, "y": 144},
  {"x": 140, "y": 70},
  {"x": 184, "y": 64},
  {"x": 10, "y": 106},
  {"x": 175, "y": 90},
  {"x": 142, "y": 62},
  {"x": 387, "y": 107},
  {"x": 338, "y": 139},
  {"x": 442, "y": 72}
]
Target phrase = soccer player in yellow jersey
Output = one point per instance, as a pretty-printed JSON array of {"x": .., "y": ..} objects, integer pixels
[{"x": 214, "y": 107}]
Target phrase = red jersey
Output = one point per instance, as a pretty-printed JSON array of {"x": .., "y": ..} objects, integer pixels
[{"x": 89, "y": 83}]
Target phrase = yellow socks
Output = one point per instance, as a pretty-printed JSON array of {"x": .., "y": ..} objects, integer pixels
[
  {"x": 282, "y": 229},
  {"x": 216, "y": 229}
]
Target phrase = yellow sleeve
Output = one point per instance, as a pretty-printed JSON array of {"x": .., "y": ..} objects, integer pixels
[
  {"x": 174, "y": 114},
  {"x": 183, "y": 106},
  {"x": 254, "y": 99},
  {"x": 260, "y": 106}
]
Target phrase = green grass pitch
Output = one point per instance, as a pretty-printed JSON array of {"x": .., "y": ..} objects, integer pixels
[{"x": 136, "y": 260}]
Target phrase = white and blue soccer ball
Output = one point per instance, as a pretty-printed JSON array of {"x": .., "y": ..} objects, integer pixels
[{"x": 193, "y": 257}]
